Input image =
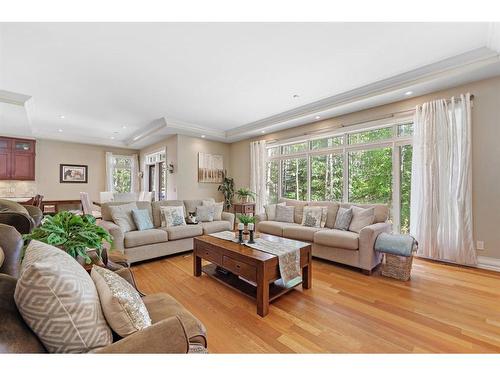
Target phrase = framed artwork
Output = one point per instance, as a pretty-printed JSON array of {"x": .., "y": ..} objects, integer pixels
[
  {"x": 73, "y": 174},
  {"x": 210, "y": 168}
]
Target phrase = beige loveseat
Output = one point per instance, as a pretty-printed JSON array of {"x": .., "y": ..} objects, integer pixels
[
  {"x": 335, "y": 245},
  {"x": 160, "y": 241}
]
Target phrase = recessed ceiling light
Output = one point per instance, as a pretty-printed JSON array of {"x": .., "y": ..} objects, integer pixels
[
  {"x": 317, "y": 117},
  {"x": 296, "y": 96},
  {"x": 203, "y": 136},
  {"x": 112, "y": 137},
  {"x": 262, "y": 131},
  {"x": 408, "y": 93},
  {"x": 62, "y": 117},
  {"x": 60, "y": 130},
  {"x": 124, "y": 127}
]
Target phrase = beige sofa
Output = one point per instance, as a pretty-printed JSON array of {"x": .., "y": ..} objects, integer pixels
[
  {"x": 160, "y": 241},
  {"x": 335, "y": 245}
]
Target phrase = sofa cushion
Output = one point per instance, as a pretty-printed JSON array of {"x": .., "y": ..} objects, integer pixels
[
  {"x": 145, "y": 237},
  {"x": 381, "y": 210},
  {"x": 191, "y": 204},
  {"x": 337, "y": 238},
  {"x": 122, "y": 305},
  {"x": 105, "y": 208},
  {"x": 122, "y": 216},
  {"x": 183, "y": 231},
  {"x": 361, "y": 217},
  {"x": 163, "y": 306},
  {"x": 331, "y": 213},
  {"x": 285, "y": 214},
  {"x": 215, "y": 226},
  {"x": 274, "y": 227},
  {"x": 156, "y": 208},
  {"x": 270, "y": 210},
  {"x": 299, "y": 208},
  {"x": 58, "y": 300},
  {"x": 142, "y": 219},
  {"x": 299, "y": 232}
]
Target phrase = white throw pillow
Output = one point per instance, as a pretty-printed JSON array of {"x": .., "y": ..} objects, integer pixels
[
  {"x": 285, "y": 213},
  {"x": 271, "y": 210},
  {"x": 122, "y": 216},
  {"x": 218, "y": 208},
  {"x": 314, "y": 216},
  {"x": 205, "y": 213},
  {"x": 172, "y": 216},
  {"x": 361, "y": 217}
]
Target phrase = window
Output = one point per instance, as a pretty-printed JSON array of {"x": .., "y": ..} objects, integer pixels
[
  {"x": 326, "y": 177},
  {"x": 294, "y": 178},
  {"x": 122, "y": 174},
  {"x": 370, "y": 176},
  {"x": 363, "y": 166},
  {"x": 156, "y": 174}
]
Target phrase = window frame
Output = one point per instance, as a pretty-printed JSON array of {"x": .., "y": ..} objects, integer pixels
[
  {"x": 114, "y": 168},
  {"x": 395, "y": 142},
  {"x": 155, "y": 158}
]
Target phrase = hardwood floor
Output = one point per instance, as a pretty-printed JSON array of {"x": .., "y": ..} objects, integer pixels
[{"x": 443, "y": 308}]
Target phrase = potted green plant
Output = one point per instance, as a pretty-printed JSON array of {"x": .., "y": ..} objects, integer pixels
[
  {"x": 75, "y": 234},
  {"x": 246, "y": 219},
  {"x": 227, "y": 189},
  {"x": 245, "y": 194}
]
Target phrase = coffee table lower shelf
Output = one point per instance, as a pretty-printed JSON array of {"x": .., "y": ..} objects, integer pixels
[{"x": 276, "y": 289}]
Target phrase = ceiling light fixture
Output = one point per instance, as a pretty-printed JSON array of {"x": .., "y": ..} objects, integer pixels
[
  {"x": 124, "y": 127},
  {"x": 62, "y": 117},
  {"x": 296, "y": 96},
  {"x": 60, "y": 130},
  {"x": 262, "y": 131},
  {"x": 408, "y": 93},
  {"x": 112, "y": 137},
  {"x": 317, "y": 117},
  {"x": 203, "y": 136}
]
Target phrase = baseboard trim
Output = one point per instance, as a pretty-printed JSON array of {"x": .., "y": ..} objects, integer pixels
[{"x": 488, "y": 263}]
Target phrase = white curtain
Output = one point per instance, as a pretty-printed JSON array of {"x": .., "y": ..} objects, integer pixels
[
  {"x": 135, "y": 182},
  {"x": 441, "y": 186},
  {"x": 258, "y": 157},
  {"x": 109, "y": 171}
]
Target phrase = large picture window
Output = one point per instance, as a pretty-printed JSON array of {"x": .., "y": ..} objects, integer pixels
[{"x": 365, "y": 165}]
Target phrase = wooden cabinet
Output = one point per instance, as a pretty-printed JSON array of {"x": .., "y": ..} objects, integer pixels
[{"x": 17, "y": 159}]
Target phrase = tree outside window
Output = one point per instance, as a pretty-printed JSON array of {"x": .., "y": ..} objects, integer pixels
[{"x": 122, "y": 174}]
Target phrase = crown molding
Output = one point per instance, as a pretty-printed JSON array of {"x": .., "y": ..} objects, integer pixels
[
  {"x": 15, "y": 98},
  {"x": 186, "y": 128},
  {"x": 146, "y": 131}
]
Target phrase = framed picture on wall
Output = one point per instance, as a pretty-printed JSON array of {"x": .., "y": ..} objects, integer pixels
[
  {"x": 210, "y": 168},
  {"x": 73, "y": 174}
]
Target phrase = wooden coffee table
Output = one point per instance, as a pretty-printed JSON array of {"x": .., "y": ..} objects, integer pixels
[{"x": 260, "y": 268}]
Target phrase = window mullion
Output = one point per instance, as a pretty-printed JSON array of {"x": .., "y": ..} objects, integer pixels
[
  {"x": 396, "y": 188},
  {"x": 345, "y": 172}
]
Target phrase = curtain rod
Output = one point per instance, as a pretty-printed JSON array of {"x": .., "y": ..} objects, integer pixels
[{"x": 392, "y": 115}]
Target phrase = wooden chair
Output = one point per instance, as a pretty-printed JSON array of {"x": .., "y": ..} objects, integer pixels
[
  {"x": 37, "y": 201},
  {"x": 87, "y": 206}
]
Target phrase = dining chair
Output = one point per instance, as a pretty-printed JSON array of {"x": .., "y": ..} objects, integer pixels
[
  {"x": 145, "y": 196},
  {"x": 106, "y": 196},
  {"x": 87, "y": 206}
]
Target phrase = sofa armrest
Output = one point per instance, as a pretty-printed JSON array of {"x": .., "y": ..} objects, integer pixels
[
  {"x": 116, "y": 233},
  {"x": 166, "y": 336},
  {"x": 35, "y": 213},
  {"x": 368, "y": 258},
  {"x": 228, "y": 216},
  {"x": 260, "y": 217}
]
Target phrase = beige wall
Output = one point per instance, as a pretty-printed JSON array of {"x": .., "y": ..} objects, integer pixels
[
  {"x": 49, "y": 154},
  {"x": 183, "y": 151},
  {"x": 485, "y": 152}
]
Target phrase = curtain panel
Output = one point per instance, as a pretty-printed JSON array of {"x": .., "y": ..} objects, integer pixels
[
  {"x": 441, "y": 185},
  {"x": 258, "y": 159}
]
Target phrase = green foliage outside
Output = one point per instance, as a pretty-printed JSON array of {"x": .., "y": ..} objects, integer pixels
[
  {"x": 72, "y": 233},
  {"x": 370, "y": 172},
  {"x": 122, "y": 175}
]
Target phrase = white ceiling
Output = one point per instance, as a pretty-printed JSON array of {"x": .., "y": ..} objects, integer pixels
[{"x": 225, "y": 80}]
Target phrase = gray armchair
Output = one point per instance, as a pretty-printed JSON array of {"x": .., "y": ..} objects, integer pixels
[{"x": 23, "y": 218}]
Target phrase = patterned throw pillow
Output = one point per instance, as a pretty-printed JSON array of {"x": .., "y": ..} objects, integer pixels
[
  {"x": 172, "y": 216},
  {"x": 361, "y": 217},
  {"x": 312, "y": 216},
  {"x": 218, "y": 208},
  {"x": 142, "y": 219},
  {"x": 343, "y": 220},
  {"x": 58, "y": 300},
  {"x": 271, "y": 210},
  {"x": 285, "y": 213},
  {"x": 122, "y": 216},
  {"x": 123, "y": 307},
  {"x": 205, "y": 213}
]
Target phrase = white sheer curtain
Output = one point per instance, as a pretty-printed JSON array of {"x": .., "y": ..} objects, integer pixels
[
  {"x": 109, "y": 171},
  {"x": 441, "y": 186},
  {"x": 258, "y": 156},
  {"x": 135, "y": 174}
]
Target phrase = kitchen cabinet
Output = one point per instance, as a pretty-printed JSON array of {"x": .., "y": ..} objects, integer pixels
[{"x": 17, "y": 159}]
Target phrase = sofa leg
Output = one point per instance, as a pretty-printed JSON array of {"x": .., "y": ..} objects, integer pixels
[{"x": 367, "y": 272}]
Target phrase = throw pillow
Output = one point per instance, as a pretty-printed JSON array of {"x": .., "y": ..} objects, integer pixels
[
  {"x": 58, "y": 300},
  {"x": 172, "y": 216},
  {"x": 343, "y": 220},
  {"x": 205, "y": 213},
  {"x": 218, "y": 208},
  {"x": 285, "y": 213},
  {"x": 271, "y": 210},
  {"x": 122, "y": 216},
  {"x": 314, "y": 216},
  {"x": 123, "y": 307},
  {"x": 361, "y": 217},
  {"x": 142, "y": 219}
]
